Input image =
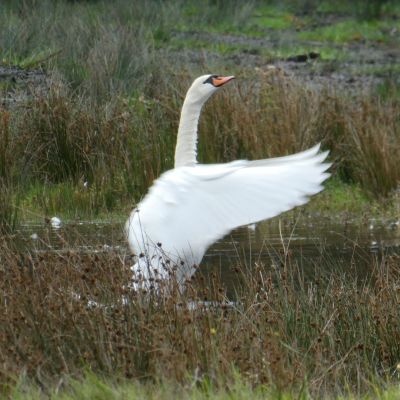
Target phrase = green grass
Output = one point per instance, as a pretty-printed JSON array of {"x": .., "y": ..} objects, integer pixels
[
  {"x": 91, "y": 387},
  {"x": 270, "y": 22},
  {"x": 360, "y": 9},
  {"x": 386, "y": 89},
  {"x": 338, "y": 197},
  {"x": 386, "y": 69},
  {"x": 69, "y": 201},
  {"x": 275, "y": 17},
  {"x": 346, "y": 31},
  {"x": 257, "y": 23},
  {"x": 281, "y": 50}
]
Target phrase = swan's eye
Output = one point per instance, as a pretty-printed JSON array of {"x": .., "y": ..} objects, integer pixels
[
  {"x": 217, "y": 81},
  {"x": 210, "y": 79}
]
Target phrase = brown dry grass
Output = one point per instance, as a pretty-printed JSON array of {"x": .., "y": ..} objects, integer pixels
[{"x": 64, "y": 313}]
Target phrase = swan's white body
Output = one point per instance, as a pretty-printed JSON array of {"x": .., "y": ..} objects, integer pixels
[{"x": 190, "y": 207}]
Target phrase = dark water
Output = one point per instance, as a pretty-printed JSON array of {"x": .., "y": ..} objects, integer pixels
[
  {"x": 311, "y": 241},
  {"x": 313, "y": 244}
]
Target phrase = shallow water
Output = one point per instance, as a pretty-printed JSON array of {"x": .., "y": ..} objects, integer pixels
[{"x": 313, "y": 242}]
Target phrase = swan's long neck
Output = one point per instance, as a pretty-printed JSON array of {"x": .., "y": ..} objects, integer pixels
[{"x": 186, "y": 146}]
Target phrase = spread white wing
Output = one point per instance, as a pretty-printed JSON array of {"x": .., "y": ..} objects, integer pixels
[{"x": 189, "y": 208}]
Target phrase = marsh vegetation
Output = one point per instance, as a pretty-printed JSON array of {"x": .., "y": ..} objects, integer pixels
[
  {"x": 90, "y": 100},
  {"x": 66, "y": 313}
]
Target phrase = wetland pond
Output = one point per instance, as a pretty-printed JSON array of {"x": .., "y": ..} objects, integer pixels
[{"x": 312, "y": 242}]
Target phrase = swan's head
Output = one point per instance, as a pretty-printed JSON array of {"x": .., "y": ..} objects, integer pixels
[{"x": 204, "y": 86}]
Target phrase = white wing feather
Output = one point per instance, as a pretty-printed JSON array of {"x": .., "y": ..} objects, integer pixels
[{"x": 189, "y": 208}]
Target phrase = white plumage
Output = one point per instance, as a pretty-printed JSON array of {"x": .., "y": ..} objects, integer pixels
[{"x": 190, "y": 207}]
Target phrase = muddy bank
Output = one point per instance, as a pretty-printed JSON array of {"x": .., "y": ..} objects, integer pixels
[
  {"x": 17, "y": 83},
  {"x": 346, "y": 72},
  {"x": 360, "y": 63}
]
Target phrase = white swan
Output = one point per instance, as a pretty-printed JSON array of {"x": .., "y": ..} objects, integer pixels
[{"x": 191, "y": 206}]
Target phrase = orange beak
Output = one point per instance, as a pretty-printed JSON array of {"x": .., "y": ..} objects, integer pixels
[{"x": 221, "y": 80}]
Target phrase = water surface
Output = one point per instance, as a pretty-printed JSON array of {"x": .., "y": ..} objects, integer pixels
[{"x": 322, "y": 242}]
